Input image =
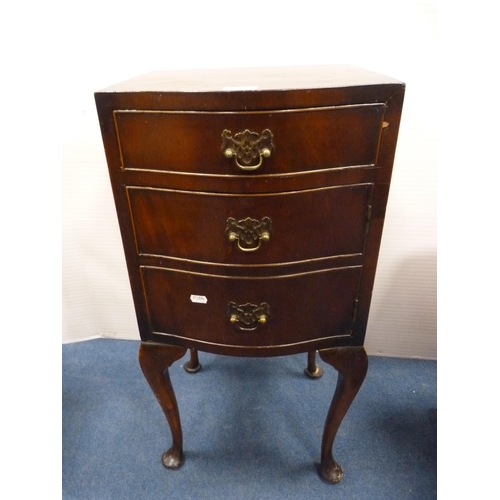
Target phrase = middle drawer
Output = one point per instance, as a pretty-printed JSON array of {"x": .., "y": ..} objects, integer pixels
[{"x": 250, "y": 228}]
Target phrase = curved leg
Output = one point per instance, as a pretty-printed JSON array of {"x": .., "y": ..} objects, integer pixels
[
  {"x": 155, "y": 359},
  {"x": 193, "y": 365},
  {"x": 352, "y": 364},
  {"x": 313, "y": 370}
]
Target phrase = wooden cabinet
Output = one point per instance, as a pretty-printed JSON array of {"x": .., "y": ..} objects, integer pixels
[{"x": 251, "y": 205}]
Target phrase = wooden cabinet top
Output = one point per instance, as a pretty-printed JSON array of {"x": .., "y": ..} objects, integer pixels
[{"x": 253, "y": 79}]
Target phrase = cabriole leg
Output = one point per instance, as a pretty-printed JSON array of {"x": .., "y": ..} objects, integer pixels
[
  {"x": 313, "y": 370},
  {"x": 193, "y": 365},
  {"x": 155, "y": 360},
  {"x": 352, "y": 364}
]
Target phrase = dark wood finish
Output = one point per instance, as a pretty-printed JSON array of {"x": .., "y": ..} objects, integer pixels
[
  {"x": 352, "y": 364},
  {"x": 184, "y": 140},
  {"x": 251, "y": 206},
  {"x": 313, "y": 370},
  {"x": 196, "y": 223},
  {"x": 296, "y": 319},
  {"x": 193, "y": 365},
  {"x": 155, "y": 359}
]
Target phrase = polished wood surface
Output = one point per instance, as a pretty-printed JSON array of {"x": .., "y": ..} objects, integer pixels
[
  {"x": 196, "y": 222},
  {"x": 341, "y": 135},
  {"x": 251, "y": 206},
  {"x": 352, "y": 364},
  {"x": 193, "y": 365},
  {"x": 301, "y": 312},
  {"x": 313, "y": 370},
  {"x": 252, "y": 79},
  {"x": 155, "y": 359}
]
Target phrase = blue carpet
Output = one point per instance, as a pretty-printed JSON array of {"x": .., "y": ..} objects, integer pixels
[{"x": 252, "y": 429}]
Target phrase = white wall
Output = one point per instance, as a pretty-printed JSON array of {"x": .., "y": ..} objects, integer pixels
[{"x": 109, "y": 41}]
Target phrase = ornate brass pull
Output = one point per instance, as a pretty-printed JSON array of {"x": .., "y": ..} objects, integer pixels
[
  {"x": 247, "y": 148},
  {"x": 248, "y": 317},
  {"x": 249, "y": 233}
]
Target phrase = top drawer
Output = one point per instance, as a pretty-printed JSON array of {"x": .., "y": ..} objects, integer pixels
[{"x": 302, "y": 140}]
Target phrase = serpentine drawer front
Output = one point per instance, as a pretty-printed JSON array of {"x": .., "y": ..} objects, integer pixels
[
  {"x": 251, "y": 204},
  {"x": 301, "y": 307},
  {"x": 309, "y": 139},
  {"x": 251, "y": 228}
]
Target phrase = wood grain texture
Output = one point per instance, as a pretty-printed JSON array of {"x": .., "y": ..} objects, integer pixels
[
  {"x": 174, "y": 190},
  {"x": 251, "y": 79},
  {"x": 310, "y": 212}
]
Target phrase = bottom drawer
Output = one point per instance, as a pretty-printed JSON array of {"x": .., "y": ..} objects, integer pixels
[{"x": 250, "y": 311}]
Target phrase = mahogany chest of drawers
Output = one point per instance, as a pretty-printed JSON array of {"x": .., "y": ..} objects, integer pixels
[{"x": 251, "y": 204}]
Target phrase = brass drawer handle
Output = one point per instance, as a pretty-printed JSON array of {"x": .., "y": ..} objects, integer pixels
[
  {"x": 248, "y": 317},
  {"x": 249, "y": 233},
  {"x": 247, "y": 148}
]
